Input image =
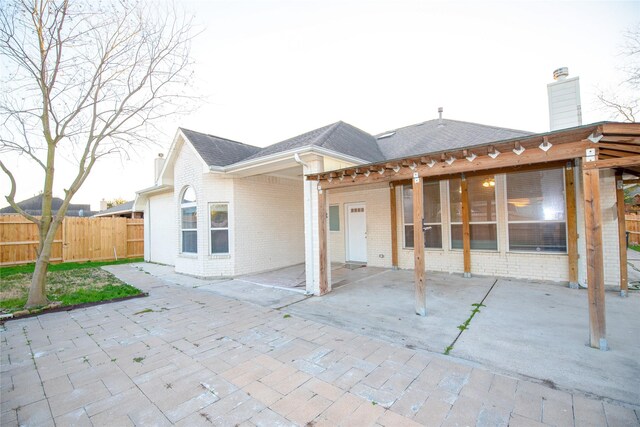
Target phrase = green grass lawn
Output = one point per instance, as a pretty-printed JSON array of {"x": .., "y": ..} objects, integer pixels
[{"x": 68, "y": 283}]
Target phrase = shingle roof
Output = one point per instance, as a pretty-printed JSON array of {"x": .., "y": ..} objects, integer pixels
[
  {"x": 33, "y": 206},
  {"x": 216, "y": 151},
  {"x": 430, "y": 136},
  {"x": 340, "y": 137}
]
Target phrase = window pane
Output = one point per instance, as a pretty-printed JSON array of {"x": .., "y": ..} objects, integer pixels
[
  {"x": 408, "y": 236},
  {"x": 536, "y": 195},
  {"x": 432, "y": 236},
  {"x": 334, "y": 218},
  {"x": 219, "y": 216},
  {"x": 189, "y": 242},
  {"x": 538, "y": 237},
  {"x": 431, "y": 202},
  {"x": 482, "y": 198},
  {"x": 219, "y": 241},
  {"x": 455, "y": 200},
  {"x": 483, "y": 236},
  {"x": 407, "y": 204},
  {"x": 189, "y": 196},
  {"x": 189, "y": 217}
]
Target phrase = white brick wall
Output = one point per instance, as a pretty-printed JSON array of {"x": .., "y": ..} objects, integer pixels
[
  {"x": 376, "y": 199},
  {"x": 269, "y": 223}
]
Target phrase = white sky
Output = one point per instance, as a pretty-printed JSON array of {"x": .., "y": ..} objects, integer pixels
[{"x": 270, "y": 70}]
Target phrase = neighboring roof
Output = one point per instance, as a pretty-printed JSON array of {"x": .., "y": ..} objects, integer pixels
[
  {"x": 340, "y": 137},
  {"x": 124, "y": 207},
  {"x": 432, "y": 136},
  {"x": 216, "y": 151},
  {"x": 33, "y": 206}
]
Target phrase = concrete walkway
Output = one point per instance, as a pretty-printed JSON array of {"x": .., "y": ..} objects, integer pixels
[{"x": 189, "y": 356}]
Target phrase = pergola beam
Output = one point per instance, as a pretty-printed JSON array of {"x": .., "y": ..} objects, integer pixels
[
  {"x": 595, "y": 258},
  {"x": 418, "y": 248},
  {"x": 622, "y": 235}
]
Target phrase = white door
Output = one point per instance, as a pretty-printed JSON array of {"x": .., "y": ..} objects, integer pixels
[{"x": 356, "y": 232}]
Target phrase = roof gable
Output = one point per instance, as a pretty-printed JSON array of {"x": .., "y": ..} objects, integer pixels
[
  {"x": 340, "y": 137},
  {"x": 216, "y": 151}
]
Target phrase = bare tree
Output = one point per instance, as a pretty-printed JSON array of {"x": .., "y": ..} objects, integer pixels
[
  {"x": 84, "y": 80},
  {"x": 624, "y": 102}
]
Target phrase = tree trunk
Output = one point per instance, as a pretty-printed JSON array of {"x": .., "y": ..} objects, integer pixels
[{"x": 38, "y": 289}]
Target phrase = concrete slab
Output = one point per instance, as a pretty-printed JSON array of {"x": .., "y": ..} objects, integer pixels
[
  {"x": 382, "y": 305},
  {"x": 541, "y": 330}
]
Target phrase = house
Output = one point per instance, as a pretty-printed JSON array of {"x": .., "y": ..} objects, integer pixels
[
  {"x": 490, "y": 200},
  {"x": 33, "y": 206},
  {"x": 124, "y": 210}
]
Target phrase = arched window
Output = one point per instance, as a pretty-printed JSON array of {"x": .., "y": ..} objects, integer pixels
[{"x": 189, "y": 221}]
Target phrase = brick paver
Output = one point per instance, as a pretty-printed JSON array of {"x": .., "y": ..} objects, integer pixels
[{"x": 202, "y": 359}]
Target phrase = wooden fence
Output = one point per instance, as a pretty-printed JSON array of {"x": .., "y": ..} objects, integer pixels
[
  {"x": 77, "y": 239},
  {"x": 633, "y": 228}
]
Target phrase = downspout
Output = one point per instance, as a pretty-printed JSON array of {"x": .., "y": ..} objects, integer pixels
[{"x": 308, "y": 224}]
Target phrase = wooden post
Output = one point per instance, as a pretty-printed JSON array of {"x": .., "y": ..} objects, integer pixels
[
  {"x": 622, "y": 235},
  {"x": 418, "y": 247},
  {"x": 572, "y": 225},
  {"x": 595, "y": 261},
  {"x": 466, "y": 232},
  {"x": 324, "y": 285},
  {"x": 394, "y": 226}
]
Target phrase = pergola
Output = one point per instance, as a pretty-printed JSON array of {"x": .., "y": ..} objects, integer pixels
[{"x": 605, "y": 145}]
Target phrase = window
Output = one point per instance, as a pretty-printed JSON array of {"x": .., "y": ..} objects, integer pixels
[
  {"x": 334, "y": 218},
  {"x": 536, "y": 211},
  {"x": 219, "y": 214},
  {"x": 432, "y": 217},
  {"x": 189, "y": 221},
  {"x": 482, "y": 217}
]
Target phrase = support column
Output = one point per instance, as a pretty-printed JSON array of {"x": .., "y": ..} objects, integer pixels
[
  {"x": 313, "y": 165},
  {"x": 572, "y": 225},
  {"x": 394, "y": 226},
  {"x": 324, "y": 267},
  {"x": 466, "y": 229},
  {"x": 418, "y": 247},
  {"x": 595, "y": 261},
  {"x": 622, "y": 235}
]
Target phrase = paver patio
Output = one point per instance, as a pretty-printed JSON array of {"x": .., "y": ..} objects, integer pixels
[{"x": 200, "y": 358}]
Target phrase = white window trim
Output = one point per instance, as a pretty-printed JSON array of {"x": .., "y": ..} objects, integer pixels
[
  {"x": 566, "y": 228},
  {"x": 221, "y": 255},
  {"x": 404, "y": 237},
  {"x": 182, "y": 230}
]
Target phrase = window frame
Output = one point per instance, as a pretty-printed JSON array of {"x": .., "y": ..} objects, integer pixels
[
  {"x": 404, "y": 225},
  {"x": 211, "y": 228},
  {"x": 183, "y": 206},
  {"x": 460, "y": 223},
  {"x": 507, "y": 222}
]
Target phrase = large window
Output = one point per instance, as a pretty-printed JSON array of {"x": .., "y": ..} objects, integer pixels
[
  {"x": 189, "y": 221},
  {"x": 482, "y": 205},
  {"x": 536, "y": 211},
  {"x": 219, "y": 214},
  {"x": 432, "y": 217}
]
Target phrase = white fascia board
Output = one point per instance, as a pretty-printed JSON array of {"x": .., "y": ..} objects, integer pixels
[
  {"x": 285, "y": 155},
  {"x": 156, "y": 189}
]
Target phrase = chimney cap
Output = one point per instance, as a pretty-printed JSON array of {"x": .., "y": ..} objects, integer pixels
[
  {"x": 561, "y": 73},
  {"x": 160, "y": 155}
]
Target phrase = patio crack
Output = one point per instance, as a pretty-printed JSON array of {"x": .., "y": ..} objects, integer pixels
[{"x": 465, "y": 325}]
